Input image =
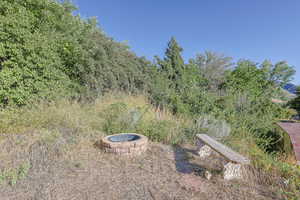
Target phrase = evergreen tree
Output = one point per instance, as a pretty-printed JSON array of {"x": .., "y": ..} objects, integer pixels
[{"x": 173, "y": 64}]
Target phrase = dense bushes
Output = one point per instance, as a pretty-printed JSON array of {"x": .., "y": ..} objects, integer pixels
[
  {"x": 47, "y": 52},
  {"x": 295, "y": 103},
  {"x": 30, "y": 64}
]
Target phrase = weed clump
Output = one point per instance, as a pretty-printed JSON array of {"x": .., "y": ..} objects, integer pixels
[{"x": 13, "y": 175}]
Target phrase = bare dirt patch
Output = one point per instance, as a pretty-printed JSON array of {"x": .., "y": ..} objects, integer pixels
[{"x": 80, "y": 170}]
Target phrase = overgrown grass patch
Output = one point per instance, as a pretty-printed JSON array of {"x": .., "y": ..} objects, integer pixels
[
  {"x": 273, "y": 168},
  {"x": 13, "y": 175}
]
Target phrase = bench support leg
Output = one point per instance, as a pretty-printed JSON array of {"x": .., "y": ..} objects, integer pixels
[
  {"x": 232, "y": 171},
  {"x": 205, "y": 151}
]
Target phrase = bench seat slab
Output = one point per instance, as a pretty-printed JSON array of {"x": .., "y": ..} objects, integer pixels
[{"x": 223, "y": 150}]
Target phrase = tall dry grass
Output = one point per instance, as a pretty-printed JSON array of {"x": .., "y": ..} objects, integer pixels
[{"x": 115, "y": 110}]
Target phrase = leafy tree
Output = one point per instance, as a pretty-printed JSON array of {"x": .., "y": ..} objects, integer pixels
[
  {"x": 248, "y": 78},
  {"x": 213, "y": 67},
  {"x": 279, "y": 74}
]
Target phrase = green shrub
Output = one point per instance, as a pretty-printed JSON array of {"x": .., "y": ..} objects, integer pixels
[
  {"x": 213, "y": 127},
  {"x": 295, "y": 103},
  {"x": 121, "y": 118},
  {"x": 269, "y": 163},
  {"x": 114, "y": 121},
  {"x": 161, "y": 131}
]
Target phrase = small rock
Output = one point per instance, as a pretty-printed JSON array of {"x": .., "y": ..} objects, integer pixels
[
  {"x": 207, "y": 175},
  {"x": 286, "y": 182}
]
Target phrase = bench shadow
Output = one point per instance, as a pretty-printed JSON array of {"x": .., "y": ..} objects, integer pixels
[{"x": 183, "y": 161}]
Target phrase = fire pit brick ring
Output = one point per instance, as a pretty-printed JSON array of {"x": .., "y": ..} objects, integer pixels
[{"x": 125, "y": 144}]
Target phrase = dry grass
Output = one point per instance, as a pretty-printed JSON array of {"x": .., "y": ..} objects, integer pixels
[
  {"x": 83, "y": 117},
  {"x": 82, "y": 171},
  {"x": 65, "y": 123}
]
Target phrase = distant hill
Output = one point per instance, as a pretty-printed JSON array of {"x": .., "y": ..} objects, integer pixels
[{"x": 290, "y": 88}]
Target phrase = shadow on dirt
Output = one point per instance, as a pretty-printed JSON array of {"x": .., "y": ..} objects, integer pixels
[{"x": 183, "y": 161}]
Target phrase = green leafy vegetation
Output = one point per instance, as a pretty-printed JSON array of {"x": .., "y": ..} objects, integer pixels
[
  {"x": 12, "y": 176},
  {"x": 46, "y": 53},
  {"x": 295, "y": 103},
  {"x": 58, "y": 70}
]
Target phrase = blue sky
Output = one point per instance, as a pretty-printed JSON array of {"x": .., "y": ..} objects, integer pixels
[{"x": 250, "y": 29}]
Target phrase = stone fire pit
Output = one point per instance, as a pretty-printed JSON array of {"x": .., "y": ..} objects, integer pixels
[{"x": 125, "y": 144}]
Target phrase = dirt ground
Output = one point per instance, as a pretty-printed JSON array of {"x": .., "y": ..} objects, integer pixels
[{"x": 83, "y": 172}]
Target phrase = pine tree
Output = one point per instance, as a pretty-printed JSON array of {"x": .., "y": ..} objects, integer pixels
[{"x": 173, "y": 64}]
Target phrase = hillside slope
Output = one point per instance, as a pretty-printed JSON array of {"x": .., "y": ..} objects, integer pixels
[{"x": 51, "y": 152}]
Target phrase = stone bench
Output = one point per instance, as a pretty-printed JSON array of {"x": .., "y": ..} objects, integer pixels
[{"x": 233, "y": 168}]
